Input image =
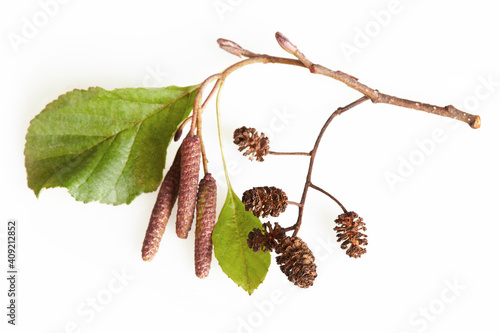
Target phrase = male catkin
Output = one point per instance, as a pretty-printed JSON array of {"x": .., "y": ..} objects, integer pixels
[
  {"x": 188, "y": 187},
  {"x": 167, "y": 195},
  {"x": 205, "y": 222}
]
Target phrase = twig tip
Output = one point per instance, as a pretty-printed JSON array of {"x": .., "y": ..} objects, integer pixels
[
  {"x": 230, "y": 46},
  {"x": 477, "y": 122},
  {"x": 233, "y": 48}
]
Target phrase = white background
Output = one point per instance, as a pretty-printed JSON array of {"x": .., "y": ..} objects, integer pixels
[{"x": 435, "y": 228}]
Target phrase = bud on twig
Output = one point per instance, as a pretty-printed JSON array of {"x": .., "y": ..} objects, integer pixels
[
  {"x": 162, "y": 209},
  {"x": 178, "y": 134},
  {"x": 285, "y": 43},
  {"x": 189, "y": 174},
  {"x": 292, "y": 49},
  {"x": 205, "y": 222},
  {"x": 233, "y": 48}
]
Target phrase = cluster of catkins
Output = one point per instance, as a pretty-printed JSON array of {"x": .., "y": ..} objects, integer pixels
[
  {"x": 294, "y": 257},
  {"x": 181, "y": 184}
]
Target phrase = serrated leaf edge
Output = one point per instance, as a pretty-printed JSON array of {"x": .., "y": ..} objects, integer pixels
[{"x": 37, "y": 193}]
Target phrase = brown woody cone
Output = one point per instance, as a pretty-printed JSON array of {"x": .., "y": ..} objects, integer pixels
[
  {"x": 296, "y": 261},
  {"x": 188, "y": 187},
  {"x": 295, "y": 258},
  {"x": 267, "y": 240},
  {"x": 257, "y": 241},
  {"x": 265, "y": 201},
  {"x": 348, "y": 231},
  {"x": 205, "y": 222},
  {"x": 257, "y": 145},
  {"x": 162, "y": 209}
]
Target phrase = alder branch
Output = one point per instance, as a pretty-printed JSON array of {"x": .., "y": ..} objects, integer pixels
[{"x": 374, "y": 95}]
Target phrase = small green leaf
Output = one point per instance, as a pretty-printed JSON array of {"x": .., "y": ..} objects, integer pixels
[
  {"x": 246, "y": 268},
  {"x": 107, "y": 146}
]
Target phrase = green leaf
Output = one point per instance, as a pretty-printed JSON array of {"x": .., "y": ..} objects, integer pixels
[
  {"x": 246, "y": 268},
  {"x": 107, "y": 146}
]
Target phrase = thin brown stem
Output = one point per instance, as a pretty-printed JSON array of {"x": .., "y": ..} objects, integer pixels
[
  {"x": 289, "y": 229},
  {"x": 308, "y": 183},
  {"x": 375, "y": 96},
  {"x": 197, "y": 105},
  {"x": 294, "y": 203},
  {"x": 199, "y": 124},
  {"x": 328, "y": 195},
  {"x": 260, "y": 59},
  {"x": 212, "y": 93},
  {"x": 286, "y": 153},
  {"x": 202, "y": 146}
]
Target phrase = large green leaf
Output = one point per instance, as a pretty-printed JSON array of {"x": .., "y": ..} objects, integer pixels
[
  {"x": 107, "y": 146},
  {"x": 246, "y": 268}
]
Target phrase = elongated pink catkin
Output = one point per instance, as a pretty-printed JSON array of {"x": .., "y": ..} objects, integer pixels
[
  {"x": 205, "y": 222},
  {"x": 162, "y": 209},
  {"x": 188, "y": 187}
]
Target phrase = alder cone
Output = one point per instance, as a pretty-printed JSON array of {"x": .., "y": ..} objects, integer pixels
[
  {"x": 264, "y": 201},
  {"x": 165, "y": 200},
  {"x": 188, "y": 186},
  {"x": 296, "y": 261},
  {"x": 257, "y": 241},
  {"x": 295, "y": 258},
  {"x": 205, "y": 222},
  {"x": 256, "y": 145},
  {"x": 267, "y": 239},
  {"x": 349, "y": 233}
]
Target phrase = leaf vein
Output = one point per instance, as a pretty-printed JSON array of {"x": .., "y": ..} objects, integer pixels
[
  {"x": 239, "y": 241},
  {"x": 97, "y": 164},
  {"x": 170, "y": 103}
]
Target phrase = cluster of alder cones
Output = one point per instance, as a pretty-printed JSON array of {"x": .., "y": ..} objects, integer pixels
[
  {"x": 181, "y": 184},
  {"x": 294, "y": 257}
]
